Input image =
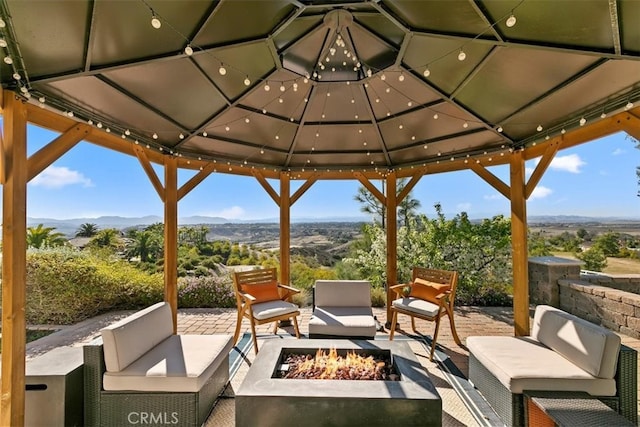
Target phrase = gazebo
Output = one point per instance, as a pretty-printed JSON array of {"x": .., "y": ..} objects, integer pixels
[{"x": 301, "y": 91}]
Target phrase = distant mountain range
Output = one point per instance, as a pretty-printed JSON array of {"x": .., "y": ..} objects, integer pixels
[{"x": 70, "y": 226}]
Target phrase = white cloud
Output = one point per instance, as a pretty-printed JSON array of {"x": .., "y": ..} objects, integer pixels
[
  {"x": 540, "y": 192},
  {"x": 494, "y": 197},
  {"x": 58, "y": 177},
  {"x": 529, "y": 170},
  {"x": 463, "y": 207},
  {"x": 618, "y": 151},
  {"x": 570, "y": 163}
]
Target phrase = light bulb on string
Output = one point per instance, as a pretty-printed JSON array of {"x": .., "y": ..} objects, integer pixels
[
  {"x": 603, "y": 115},
  {"x": 8, "y": 60},
  {"x": 205, "y": 134},
  {"x": 155, "y": 136},
  {"x": 17, "y": 76},
  {"x": 426, "y": 72},
  {"x": 628, "y": 106},
  {"x": 462, "y": 56},
  {"x": 511, "y": 21},
  {"x": 401, "y": 77},
  {"x": 583, "y": 121},
  {"x": 383, "y": 77},
  {"x": 539, "y": 128},
  {"x": 282, "y": 88},
  {"x": 188, "y": 50},
  {"x": 155, "y": 22},
  {"x": 247, "y": 82},
  {"x": 3, "y": 43},
  {"x": 2, "y": 23},
  {"x": 222, "y": 70},
  {"x": 435, "y": 116},
  {"x": 267, "y": 88},
  {"x": 499, "y": 129}
]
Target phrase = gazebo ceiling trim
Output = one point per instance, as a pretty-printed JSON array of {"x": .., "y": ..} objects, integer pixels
[{"x": 369, "y": 85}]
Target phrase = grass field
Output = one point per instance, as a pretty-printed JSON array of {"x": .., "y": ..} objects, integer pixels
[{"x": 614, "y": 265}]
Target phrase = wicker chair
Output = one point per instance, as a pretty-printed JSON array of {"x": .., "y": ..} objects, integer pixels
[
  {"x": 261, "y": 299},
  {"x": 431, "y": 297}
]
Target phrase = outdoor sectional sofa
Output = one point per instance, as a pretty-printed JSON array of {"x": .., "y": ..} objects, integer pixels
[
  {"x": 139, "y": 372},
  {"x": 563, "y": 353}
]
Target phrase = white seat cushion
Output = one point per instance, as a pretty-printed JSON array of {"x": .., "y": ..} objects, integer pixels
[
  {"x": 265, "y": 310},
  {"x": 521, "y": 363},
  {"x": 181, "y": 363},
  {"x": 133, "y": 336},
  {"x": 593, "y": 348},
  {"x": 417, "y": 306},
  {"x": 343, "y": 321}
]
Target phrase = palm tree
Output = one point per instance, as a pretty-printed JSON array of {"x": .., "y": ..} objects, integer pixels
[
  {"x": 87, "y": 230},
  {"x": 145, "y": 244},
  {"x": 107, "y": 238},
  {"x": 41, "y": 236}
]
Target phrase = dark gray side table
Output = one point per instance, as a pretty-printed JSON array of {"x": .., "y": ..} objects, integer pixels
[
  {"x": 570, "y": 409},
  {"x": 55, "y": 389}
]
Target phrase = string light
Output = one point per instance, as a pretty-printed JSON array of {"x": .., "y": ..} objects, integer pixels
[
  {"x": 426, "y": 72},
  {"x": 222, "y": 70},
  {"x": 583, "y": 121},
  {"x": 401, "y": 77},
  {"x": 155, "y": 22},
  {"x": 511, "y": 21},
  {"x": 247, "y": 82},
  {"x": 462, "y": 56},
  {"x": 188, "y": 50},
  {"x": 539, "y": 128},
  {"x": 3, "y": 43},
  {"x": 628, "y": 106}
]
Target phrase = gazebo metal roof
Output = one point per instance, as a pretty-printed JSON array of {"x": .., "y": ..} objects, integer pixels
[{"x": 360, "y": 85}]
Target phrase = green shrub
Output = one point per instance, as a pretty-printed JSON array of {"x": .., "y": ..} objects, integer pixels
[
  {"x": 378, "y": 297},
  {"x": 205, "y": 291},
  {"x": 66, "y": 286}
]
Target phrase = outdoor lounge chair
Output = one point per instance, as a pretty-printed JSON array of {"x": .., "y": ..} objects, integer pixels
[
  {"x": 432, "y": 294},
  {"x": 261, "y": 299}
]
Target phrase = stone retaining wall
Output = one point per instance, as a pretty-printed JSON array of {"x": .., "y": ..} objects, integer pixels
[{"x": 611, "y": 301}]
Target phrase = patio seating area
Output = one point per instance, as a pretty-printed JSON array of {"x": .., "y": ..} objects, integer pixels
[{"x": 471, "y": 321}]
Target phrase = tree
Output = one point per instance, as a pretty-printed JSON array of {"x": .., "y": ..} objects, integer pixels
[
  {"x": 608, "y": 243},
  {"x": 594, "y": 259},
  {"x": 145, "y": 244},
  {"x": 87, "y": 230},
  {"x": 108, "y": 238},
  {"x": 41, "y": 237},
  {"x": 407, "y": 208}
]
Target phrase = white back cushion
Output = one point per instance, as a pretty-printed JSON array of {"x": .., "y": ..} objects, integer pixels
[
  {"x": 589, "y": 346},
  {"x": 128, "y": 339},
  {"x": 343, "y": 293}
]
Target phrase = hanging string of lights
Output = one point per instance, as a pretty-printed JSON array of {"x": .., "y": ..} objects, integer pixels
[{"x": 339, "y": 48}]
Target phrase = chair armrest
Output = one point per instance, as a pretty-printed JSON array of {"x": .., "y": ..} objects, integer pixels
[
  {"x": 398, "y": 288},
  {"x": 248, "y": 298},
  {"x": 289, "y": 288}
]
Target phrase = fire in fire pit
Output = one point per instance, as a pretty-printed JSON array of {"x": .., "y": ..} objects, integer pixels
[{"x": 333, "y": 366}]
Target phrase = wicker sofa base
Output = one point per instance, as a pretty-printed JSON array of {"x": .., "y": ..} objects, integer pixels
[
  {"x": 510, "y": 406},
  {"x": 121, "y": 408}
]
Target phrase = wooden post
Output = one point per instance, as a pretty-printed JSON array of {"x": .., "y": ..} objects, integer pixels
[
  {"x": 519, "y": 245},
  {"x": 14, "y": 261},
  {"x": 392, "y": 241},
  {"x": 285, "y": 228},
  {"x": 171, "y": 236}
]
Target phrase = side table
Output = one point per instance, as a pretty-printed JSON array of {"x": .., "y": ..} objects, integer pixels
[
  {"x": 570, "y": 409},
  {"x": 55, "y": 389}
]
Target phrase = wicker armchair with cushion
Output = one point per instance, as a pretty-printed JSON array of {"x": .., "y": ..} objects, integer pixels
[
  {"x": 261, "y": 299},
  {"x": 431, "y": 296}
]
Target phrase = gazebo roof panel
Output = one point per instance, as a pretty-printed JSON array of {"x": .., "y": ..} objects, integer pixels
[
  {"x": 381, "y": 26},
  {"x": 232, "y": 21},
  {"x": 513, "y": 80},
  {"x": 631, "y": 32},
  {"x": 161, "y": 91}
]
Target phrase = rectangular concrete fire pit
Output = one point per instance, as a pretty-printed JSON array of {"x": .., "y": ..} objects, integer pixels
[{"x": 263, "y": 400}]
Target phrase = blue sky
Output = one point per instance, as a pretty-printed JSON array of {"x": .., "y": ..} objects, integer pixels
[{"x": 593, "y": 179}]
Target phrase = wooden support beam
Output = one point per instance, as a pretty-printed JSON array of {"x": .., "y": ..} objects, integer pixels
[
  {"x": 171, "y": 236},
  {"x": 151, "y": 173},
  {"x": 14, "y": 261},
  {"x": 540, "y": 169},
  {"x": 407, "y": 188},
  {"x": 303, "y": 188},
  {"x": 372, "y": 188},
  {"x": 632, "y": 126},
  {"x": 195, "y": 180},
  {"x": 51, "y": 152},
  {"x": 285, "y": 228},
  {"x": 268, "y": 188},
  {"x": 392, "y": 240},
  {"x": 491, "y": 179},
  {"x": 519, "y": 245}
]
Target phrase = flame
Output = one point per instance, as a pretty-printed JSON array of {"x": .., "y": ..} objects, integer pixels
[{"x": 330, "y": 365}]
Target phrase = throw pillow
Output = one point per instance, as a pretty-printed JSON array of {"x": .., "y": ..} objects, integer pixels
[
  {"x": 427, "y": 290},
  {"x": 263, "y": 291}
]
